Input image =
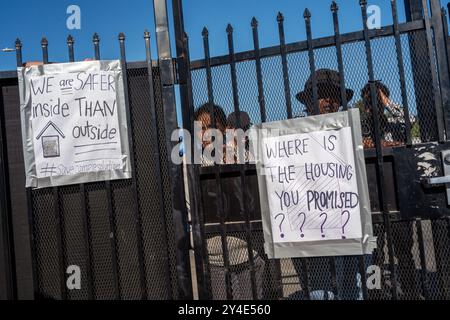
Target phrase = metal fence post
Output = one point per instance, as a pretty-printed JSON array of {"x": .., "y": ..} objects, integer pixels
[
  {"x": 7, "y": 264},
  {"x": 29, "y": 197},
  {"x": 401, "y": 69},
  {"x": 422, "y": 70},
  {"x": 86, "y": 218},
  {"x": 433, "y": 56},
  {"x": 198, "y": 221},
  {"x": 59, "y": 213},
  {"x": 312, "y": 63},
  {"x": 170, "y": 124},
  {"x": 109, "y": 204},
  {"x": 381, "y": 184},
  {"x": 192, "y": 169},
  {"x": 219, "y": 199},
  {"x": 259, "y": 77},
  {"x": 284, "y": 64},
  {"x": 422, "y": 256},
  {"x": 155, "y": 142},
  {"x": 442, "y": 60},
  {"x": 136, "y": 209},
  {"x": 338, "y": 40},
  {"x": 446, "y": 36},
  {"x": 244, "y": 211}
]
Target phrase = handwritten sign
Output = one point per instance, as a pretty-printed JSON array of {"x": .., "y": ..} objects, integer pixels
[
  {"x": 312, "y": 186},
  {"x": 74, "y": 122}
]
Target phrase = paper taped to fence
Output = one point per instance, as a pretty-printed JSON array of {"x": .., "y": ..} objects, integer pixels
[
  {"x": 74, "y": 126},
  {"x": 313, "y": 187}
]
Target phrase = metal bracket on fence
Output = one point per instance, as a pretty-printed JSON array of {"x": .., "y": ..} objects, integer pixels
[
  {"x": 444, "y": 180},
  {"x": 172, "y": 65},
  {"x": 176, "y": 78}
]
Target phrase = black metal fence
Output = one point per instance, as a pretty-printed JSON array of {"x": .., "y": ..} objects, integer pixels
[
  {"x": 410, "y": 60},
  {"x": 128, "y": 237},
  {"x": 121, "y": 233}
]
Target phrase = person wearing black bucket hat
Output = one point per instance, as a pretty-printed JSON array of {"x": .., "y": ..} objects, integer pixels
[
  {"x": 328, "y": 92},
  {"x": 329, "y": 101}
]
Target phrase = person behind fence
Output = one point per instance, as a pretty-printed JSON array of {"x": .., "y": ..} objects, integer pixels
[
  {"x": 233, "y": 207},
  {"x": 238, "y": 123},
  {"x": 347, "y": 273},
  {"x": 205, "y": 115},
  {"x": 392, "y": 117},
  {"x": 328, "y": 92}
]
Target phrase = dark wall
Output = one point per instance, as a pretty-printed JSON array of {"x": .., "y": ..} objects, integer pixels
[{"x": 16, "y": 208}]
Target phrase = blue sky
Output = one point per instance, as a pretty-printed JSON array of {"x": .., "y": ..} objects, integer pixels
[{"x": 30, "y": 20}]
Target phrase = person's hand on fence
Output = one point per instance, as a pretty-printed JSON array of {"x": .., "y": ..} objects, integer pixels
[{"x": 32, "y": 63}]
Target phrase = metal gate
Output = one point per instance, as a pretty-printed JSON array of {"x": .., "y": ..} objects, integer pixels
[
  {"x": 128, "y": 237},
  {"x": 411, "y": 219}
]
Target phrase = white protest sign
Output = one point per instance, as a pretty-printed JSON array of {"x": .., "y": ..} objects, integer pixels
[
  {"x": 312, "y": 186},
  {"x": 73, "y": 117},
  {"x": 74, "y": 123}
]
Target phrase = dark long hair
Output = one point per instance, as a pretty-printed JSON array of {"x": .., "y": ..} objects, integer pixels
[
  {"x": 367, "y": 123},
  {"x": 216, "y": 112}
]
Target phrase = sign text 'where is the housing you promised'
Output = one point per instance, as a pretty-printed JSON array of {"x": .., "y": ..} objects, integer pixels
[{"x": 312, "y": 187}]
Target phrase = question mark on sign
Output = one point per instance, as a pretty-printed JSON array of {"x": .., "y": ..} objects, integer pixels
[
  {"x": 279, "y": 226},
  {"x": 344, "y": 223},
  {"x": 323, "y": 223},
  {"x": 303, "y": 223}
]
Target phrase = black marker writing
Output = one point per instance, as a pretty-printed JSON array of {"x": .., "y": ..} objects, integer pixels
[
  {"x": 288, "y": 199},
  {"x": 314, "y": 171},
  {"x": 331, "y": 200},
  {"x": 95, "y": 108},
  {"x": 282, "y": 174},
  {"x": 94, "y": 81},
  {"x": 94, "y": 132},
  {"x": 49, "y": 110},
  {"x": 287, "y": 149},
  {"x": 43, "y": 87},
  {"x": 329, "y": 142}
]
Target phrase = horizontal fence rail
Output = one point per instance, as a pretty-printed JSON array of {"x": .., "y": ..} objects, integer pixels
[{"x": 385, "y": 31}]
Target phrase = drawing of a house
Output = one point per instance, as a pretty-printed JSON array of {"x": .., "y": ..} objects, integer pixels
[{"x": 50, "y": 142}]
